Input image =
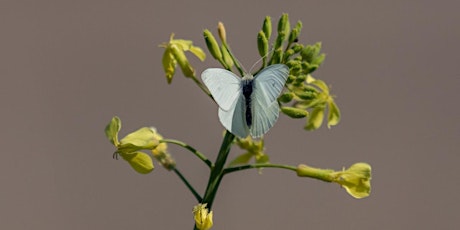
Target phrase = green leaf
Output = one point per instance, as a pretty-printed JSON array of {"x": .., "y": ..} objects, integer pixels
[
  {"x": 333, "y": 116},
  {"x": 315, "y": 119},
  {"x": 139, "y": 161},
  {"x": 241, "y": 159},
  {"x": 112, "y": 129}
]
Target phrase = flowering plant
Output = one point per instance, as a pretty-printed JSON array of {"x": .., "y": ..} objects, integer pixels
[{"x": 302, "y": 96}]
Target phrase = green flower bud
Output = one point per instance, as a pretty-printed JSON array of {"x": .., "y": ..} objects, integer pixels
[
  {"x": 112, "y": 129},
  {"x": 241, "y": 159},
  {"x": 293, "y": 36},
  {"x": 139, "y": 161},
  {"x": 203, "y": 217},
  {"x": 182, "y": 60},
  {"x": 297, "y": 47},
  {"x": 286, "y": 97},
  {"x": 277, "y": 56},
  {"x": 267, "y": 27},
  {"x": 283, "y": 24},
  {"x": 315, "y": 119},
  {"x": 212, "y": 45},
  {"x": 262, "y": 44},
  {"x": 221, "y": 31},
  {"x": 294, "y": 112},
  {"x": 226, "y": 57},
  {"x": 305, "y": 95},
  {"x": 356, "y": 180},
  {"x": 279, "y": 40}
]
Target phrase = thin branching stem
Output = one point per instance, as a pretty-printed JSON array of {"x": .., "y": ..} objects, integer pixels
[
  {"x": 189, "y": 186},
  {"x": 191, "y": 149},
  {"x": 252, "y": 166}
]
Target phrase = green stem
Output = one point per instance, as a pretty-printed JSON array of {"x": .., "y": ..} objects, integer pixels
[
  {"x": 264, "y": 165},
  {"x": 217, "y": 170},
  {"x": 189, "y": 186},
  {"x": 202, "y": 87},
  {"x": 191, "y": 149}
]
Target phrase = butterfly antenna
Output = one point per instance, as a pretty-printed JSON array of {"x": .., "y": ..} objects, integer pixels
[{"x": 264, "y": 59}]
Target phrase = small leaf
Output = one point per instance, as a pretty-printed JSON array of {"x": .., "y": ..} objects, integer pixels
[{"x": 112, "y": 129}]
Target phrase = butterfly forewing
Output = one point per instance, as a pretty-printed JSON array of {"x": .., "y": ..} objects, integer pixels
[
  {"x": 270, "y": 82},
  {"x": 224, "y": 86}
]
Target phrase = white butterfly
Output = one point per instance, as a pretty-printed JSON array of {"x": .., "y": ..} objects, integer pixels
[{"x": 248, "y": 105}]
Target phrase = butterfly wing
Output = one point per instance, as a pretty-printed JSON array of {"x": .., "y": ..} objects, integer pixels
[
  {"x": 224, "y": 86},
  {"x": 234, "y": 118},
  {"x": 268, "y": 85}
]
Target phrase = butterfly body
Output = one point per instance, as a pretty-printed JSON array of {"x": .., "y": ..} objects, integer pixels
[{"x": 248, "y": 105}]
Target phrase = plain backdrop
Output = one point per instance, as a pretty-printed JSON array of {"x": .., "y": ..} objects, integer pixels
[{"x": 67, "y": 67}]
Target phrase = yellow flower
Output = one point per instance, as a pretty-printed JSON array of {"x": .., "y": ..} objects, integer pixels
[
  {"x": 356, "y": 180},
  {"x": 175, "y": 54},
  {"x": 203, "y": 218}
]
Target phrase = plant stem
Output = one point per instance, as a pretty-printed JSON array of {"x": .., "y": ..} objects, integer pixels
[
  {"x": 189, "y": 186},
  {"x": 217, "y": 170},
  {"x": 252, "y": 166},
  {"x": 191, "y": 149}
]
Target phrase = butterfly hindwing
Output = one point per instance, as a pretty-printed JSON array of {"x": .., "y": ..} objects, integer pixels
[
  {"x": 234, "y": 118},
  {"x": 224, "y": 86}
]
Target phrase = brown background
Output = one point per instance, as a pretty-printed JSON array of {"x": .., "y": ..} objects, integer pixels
[{"x": 67, "y": 67}]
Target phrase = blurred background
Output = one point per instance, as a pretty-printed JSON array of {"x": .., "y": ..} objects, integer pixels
[{"x": 67, "y": 67}]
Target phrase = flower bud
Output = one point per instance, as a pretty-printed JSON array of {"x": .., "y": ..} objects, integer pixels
[
  {"x": 226, "y": 57},
  {"x": 202, "y": 216},
  {"x": 262, "y": 43},
  {"x": 283, "y": 24},
  {"x": 222, "y": 32},
  {"x": 212, "y": 45},
  {"x": 293, "y": 36},
  {"x": 286, "y": 97},
  {"x": 294, "y": 112},
  {"x": 267, "y": 27}
]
